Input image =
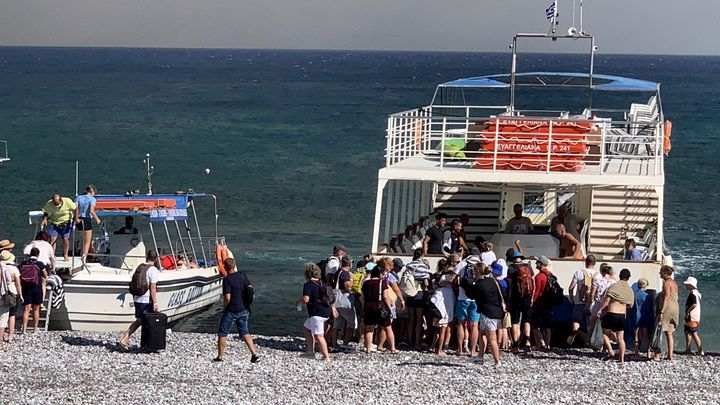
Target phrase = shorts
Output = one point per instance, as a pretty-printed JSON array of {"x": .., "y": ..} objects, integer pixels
[
  {"x": 691, "y": 329},
  {"x": 142, "y": 308},
  {"x": 488, "y": 324},
  {"x": 580, "y": 313},
  {"x": 540, "y": 318},
  {"x": 240, "y": 319},
  {"x": 85, "y": 224},
  {"x": 316, "y": 325},
  {"x": 33, "y": 295},
  {"x": 61, "y": 230},
  {"x": 346, "y": 320},
  {"x": 613, "y": 322},
  {"x": 372, "y": 317},
  {"x": 520, "y": 311},
  {"x": 466, "y": 309}
]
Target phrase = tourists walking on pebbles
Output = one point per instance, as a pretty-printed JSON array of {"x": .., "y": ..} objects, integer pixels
[
  {"x": 237, "y": 295},
  {"x": 541, "y": 310},
  {"x": 692, "y": 316},
  {"x": 645, "y": 319},
  {"x": 600, "y": 285},
  {"x": 319, "y": 311},
  {"x": 143, "y": 286},
  {"x": 346, "y": 323},
  {"x": 10, "y": 295},
  {"x": 490, "y": 303},
  {"x": 669, "y": 313},
  {"x": 32, "y": 273},
  {"x": 580, "y": 296},
  {"x": 376, "y": 307},
  {"x": 618, "y": 298}
]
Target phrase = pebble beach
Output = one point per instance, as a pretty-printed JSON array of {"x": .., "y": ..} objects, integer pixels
[{"x": 87, "y": 367}]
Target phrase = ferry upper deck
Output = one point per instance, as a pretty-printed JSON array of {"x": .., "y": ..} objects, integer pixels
[{"x": 455, "y": 140}]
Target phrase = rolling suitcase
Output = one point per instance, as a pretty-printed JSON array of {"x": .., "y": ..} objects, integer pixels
[{"x": 152, "y": 335}]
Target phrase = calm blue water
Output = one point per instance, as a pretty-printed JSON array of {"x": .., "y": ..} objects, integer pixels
[{"x": 294, "y": 140}]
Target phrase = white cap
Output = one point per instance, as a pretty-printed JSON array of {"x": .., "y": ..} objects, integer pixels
[{"x": 691, "y": 281}]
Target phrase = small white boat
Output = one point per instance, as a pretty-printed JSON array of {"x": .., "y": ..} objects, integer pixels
[{"x": 96, "y": 296}]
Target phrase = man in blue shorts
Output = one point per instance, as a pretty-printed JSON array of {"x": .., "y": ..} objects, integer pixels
[
  {"x": 59, "y": 212},
  {"x": 235, "y": 313},
  {"x": 466, "y": 309}
]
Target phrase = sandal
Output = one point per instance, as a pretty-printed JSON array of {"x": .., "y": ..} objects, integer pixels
[
  {"x": 394, "y": 351},
  {"x": 123, "y": 346}
]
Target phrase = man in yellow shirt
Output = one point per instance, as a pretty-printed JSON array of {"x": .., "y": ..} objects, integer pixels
[{"x": 59, "y": 211}]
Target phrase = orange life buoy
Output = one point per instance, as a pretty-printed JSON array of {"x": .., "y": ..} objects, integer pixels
[
  {"x": 221, "y": 254},
  {"x": 666, "y": 139}
]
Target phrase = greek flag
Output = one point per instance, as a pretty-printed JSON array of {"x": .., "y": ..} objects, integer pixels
[{"x": 550, "y": 11}]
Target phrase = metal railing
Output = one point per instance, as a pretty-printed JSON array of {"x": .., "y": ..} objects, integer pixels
[{"x": 591, "y": 146}]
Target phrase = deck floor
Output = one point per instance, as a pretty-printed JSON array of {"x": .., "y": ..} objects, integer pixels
[{"x": 613, "y": 165}]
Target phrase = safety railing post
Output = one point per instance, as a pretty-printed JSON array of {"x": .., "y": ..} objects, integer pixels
[
  {"x": 603, "y": 139},
  {"x": 442, "y": 143},
  {"x": 497, "y": 141},
  {"x": 549, "y": 150},
  {"x": 388, "y": 160}
]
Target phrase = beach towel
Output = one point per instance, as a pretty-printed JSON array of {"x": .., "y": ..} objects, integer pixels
[{"x": 621, "y": 292}]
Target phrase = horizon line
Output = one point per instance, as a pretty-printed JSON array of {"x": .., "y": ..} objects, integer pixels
[{"x": 346, "y": 50}]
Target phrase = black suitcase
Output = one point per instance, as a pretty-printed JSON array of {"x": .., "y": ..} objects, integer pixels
[{"x": 152, "y": 334}]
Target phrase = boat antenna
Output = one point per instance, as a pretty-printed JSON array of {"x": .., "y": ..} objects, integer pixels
[
  {"x": 582, "y": 32},
  {"x": 77, "y": 175},
  {"x": 149, "y": 170}
]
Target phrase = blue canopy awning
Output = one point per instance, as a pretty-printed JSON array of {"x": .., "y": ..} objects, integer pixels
[{"x": 557, "y": 79}]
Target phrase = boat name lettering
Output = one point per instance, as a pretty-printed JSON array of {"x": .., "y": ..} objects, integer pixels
[
  {"x": 185, "y": 296},
  {"x": 168, "y": 214}
]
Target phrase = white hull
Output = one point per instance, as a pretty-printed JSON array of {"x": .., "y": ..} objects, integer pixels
[{"x": 99, "y": 300}]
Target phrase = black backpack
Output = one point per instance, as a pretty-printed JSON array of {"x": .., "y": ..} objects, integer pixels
[
  {"x": 138, "y": 283},
  {"x": 248, "y": 294},
  {"x": 553, "y": 294},
  {"x": 327, "y": 295}
]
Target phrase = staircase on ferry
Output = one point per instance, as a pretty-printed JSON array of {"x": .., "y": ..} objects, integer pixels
[
  {"x": 483, "y": 208},
  {"x": 619, "y": 213}
]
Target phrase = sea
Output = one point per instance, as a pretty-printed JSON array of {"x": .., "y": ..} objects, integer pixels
[{"x": 293, "y": 140}]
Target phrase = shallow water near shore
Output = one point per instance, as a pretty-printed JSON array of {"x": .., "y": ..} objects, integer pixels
[{"x": 294, "y": 140}]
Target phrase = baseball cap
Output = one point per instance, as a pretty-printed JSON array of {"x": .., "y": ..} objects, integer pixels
[
  {"x": 544, "y": 260},
  {"x": 516, "y": 255},
  {"x": 691, "y": 281},
  {"x": 338, "y": 248},
  {"x": 398, "y": 263}
]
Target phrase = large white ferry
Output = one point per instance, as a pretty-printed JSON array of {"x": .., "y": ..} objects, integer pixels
[{"x": 593, "y": 142}]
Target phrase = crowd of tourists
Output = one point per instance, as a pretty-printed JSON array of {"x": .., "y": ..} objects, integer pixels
[{"x": 480, "y": 304}]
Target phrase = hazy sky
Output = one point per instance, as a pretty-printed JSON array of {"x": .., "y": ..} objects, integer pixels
[{"x": 622, "y": 26}]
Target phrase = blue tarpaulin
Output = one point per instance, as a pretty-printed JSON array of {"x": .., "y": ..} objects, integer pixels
[{"x": 600, "y": 82}]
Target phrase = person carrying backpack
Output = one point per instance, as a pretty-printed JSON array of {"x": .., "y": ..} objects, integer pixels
[
  {"x": 318, "y": 299},
  {"x": 143, "y": 287},
  {"x": 237, "y": 291},
  {"x": 466, "y": 307},
  {"x": 542, "y": 303},
  {"x": 32, "y": 273},
  {"x": 580, "y": 295}
]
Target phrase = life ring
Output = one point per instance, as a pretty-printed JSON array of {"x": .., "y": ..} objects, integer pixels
[
  {"x": 666, "y": 139},
  {"x": 221, "y": 254}
]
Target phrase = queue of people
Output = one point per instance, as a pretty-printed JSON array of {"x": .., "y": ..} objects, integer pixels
[{"x": 477, "y": 307}]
